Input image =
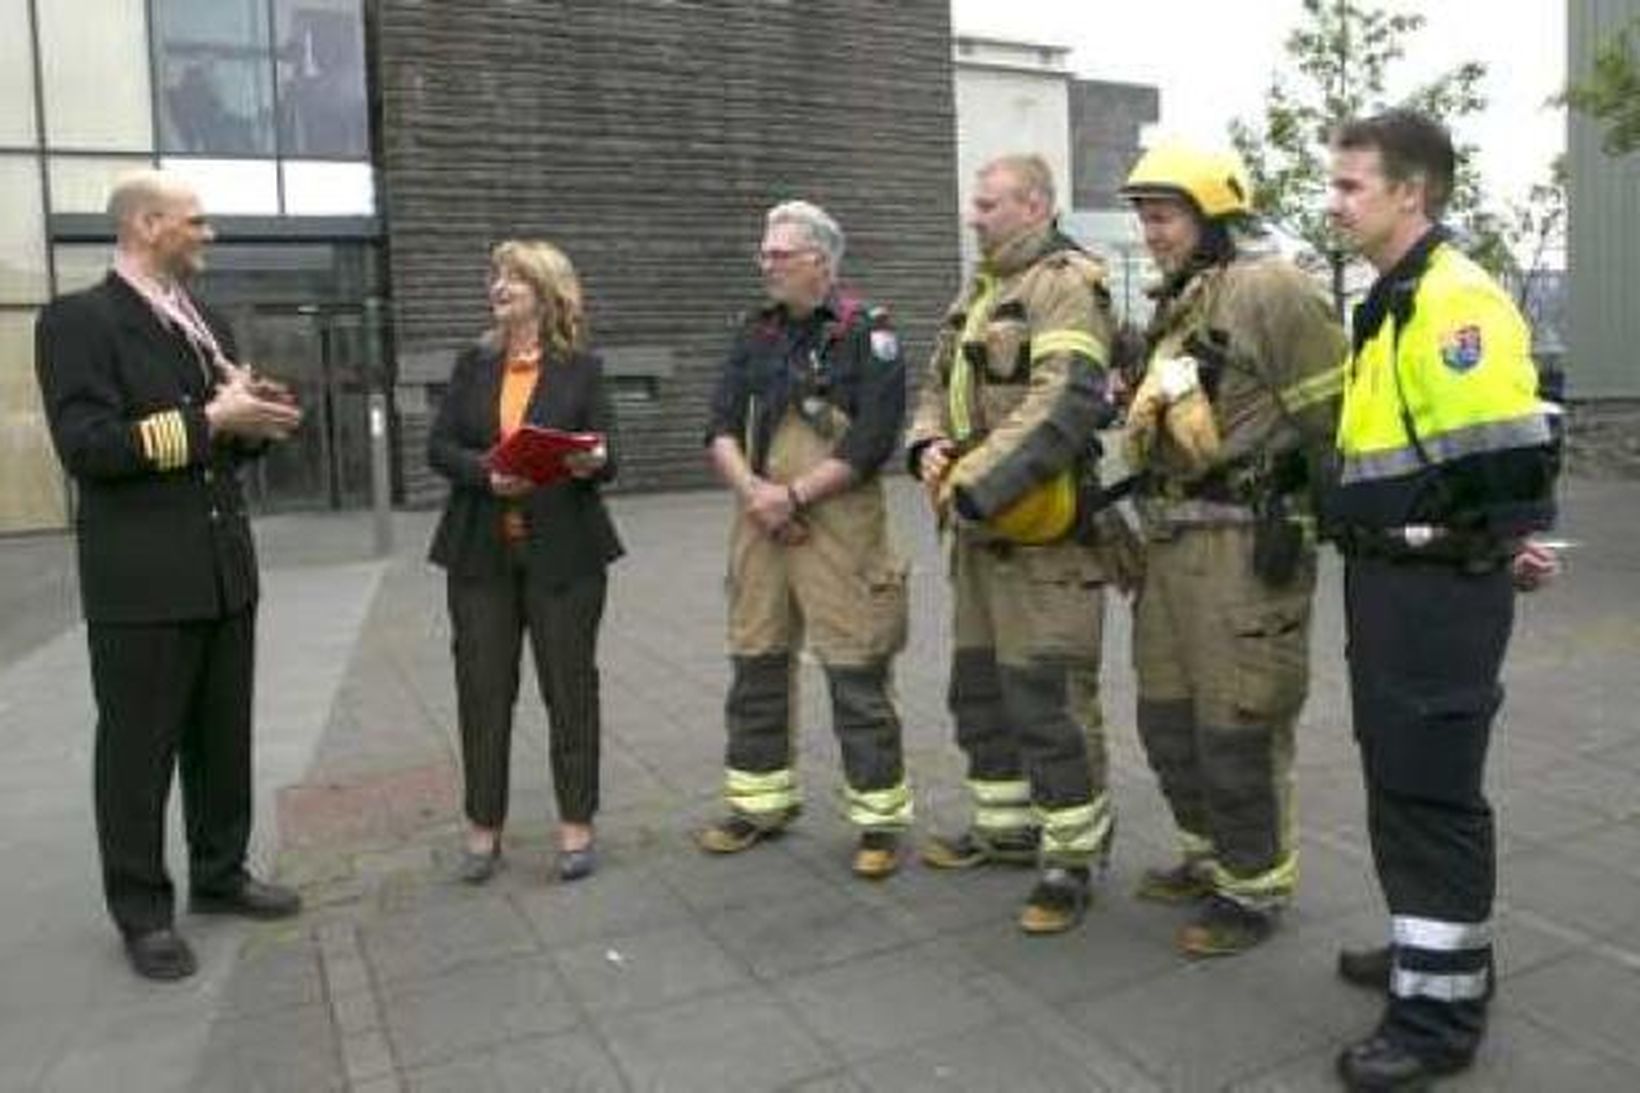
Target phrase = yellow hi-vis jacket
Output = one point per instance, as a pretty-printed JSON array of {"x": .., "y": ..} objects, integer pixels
[{"x": 1441, "y": 421}]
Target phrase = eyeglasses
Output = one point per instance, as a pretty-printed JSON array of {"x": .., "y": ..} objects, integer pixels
[{"x": 777, "y": 255}]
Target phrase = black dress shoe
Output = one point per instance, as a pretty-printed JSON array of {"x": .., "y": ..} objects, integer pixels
[
  {"x": 1379, "y": 1064},
  {"x": 1366, "y": 967},
  {"x": 577, "y": 864},
  {"x": 475, "y": 867},
  {"x": 252, "y": 899},
  {"x": 160, "y": 954}
]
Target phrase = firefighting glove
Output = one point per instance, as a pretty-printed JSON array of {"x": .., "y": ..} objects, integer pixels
[
  {"x": 1188, "y": 417},
  {"x": 1144, "y": 418}
]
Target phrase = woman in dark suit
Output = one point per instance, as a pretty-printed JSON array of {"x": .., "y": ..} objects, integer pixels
[{"x": 522, "y": 559}]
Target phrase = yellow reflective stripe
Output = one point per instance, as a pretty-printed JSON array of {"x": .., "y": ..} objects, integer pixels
[
  {"x": 1067, "y": 341},
  {"x": 1000, "y": 791},
  {"x": 760, "y": 792},
  {"x": 1262, "y": 890},
  {"x": 1317, "y": 388},
  {"x": 1001, "y": 805},
  {"x": 889, "y": 807},
  {"x": 1078, "y": 831},
  {"x": 1193, "y": 846},
  {"x": 962, "y": 372},
  {"x": 997, "y": 819}
]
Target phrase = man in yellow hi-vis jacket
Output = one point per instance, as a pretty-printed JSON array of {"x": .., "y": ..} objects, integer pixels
[
  {"x": 1447, "y": 462},
  {"x": 1001, "y": 437},
  {"x": 1240, "y": 393}
]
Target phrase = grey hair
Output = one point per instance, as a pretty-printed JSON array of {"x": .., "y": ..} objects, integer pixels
[{"x": 821, "y": 229}]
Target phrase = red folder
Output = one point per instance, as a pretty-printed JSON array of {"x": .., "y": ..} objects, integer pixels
[{"x": 538, "y": 454}]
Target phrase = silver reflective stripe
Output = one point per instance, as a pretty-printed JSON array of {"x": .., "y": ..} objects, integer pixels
[
  {"x": 1459, "y": 987},
  {"x": 1201, "y": 512},
  {"x": 1490, "y": 436},
  {"x": 1438, "y": 935}
]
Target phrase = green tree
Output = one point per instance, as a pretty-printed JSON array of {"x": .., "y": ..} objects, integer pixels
[
  {"x": 1537, "y": 230},
  {"x": 1610, "y": 94},
  {"x": 1343, "y": 51}
]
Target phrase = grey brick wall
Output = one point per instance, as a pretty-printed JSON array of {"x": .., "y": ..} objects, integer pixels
[
  {"x": 1105, "y": 123},
  {"x": 645, "y": 137}
]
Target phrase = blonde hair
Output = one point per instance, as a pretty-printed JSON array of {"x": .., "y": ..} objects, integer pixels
[
  {"x": 1031, "y": 175},
  {"x": 548, "y": 271}
]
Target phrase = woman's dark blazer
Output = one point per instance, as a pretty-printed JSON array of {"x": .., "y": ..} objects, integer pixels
[{"x": 570, "y": 532}]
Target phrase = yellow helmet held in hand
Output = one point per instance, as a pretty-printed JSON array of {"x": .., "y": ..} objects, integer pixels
[
  {"x": 1045, "y": 514},
  {"x": 1216, "y": 182}
]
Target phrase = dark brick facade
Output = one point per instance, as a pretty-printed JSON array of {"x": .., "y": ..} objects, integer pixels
[
  {"x": 1105, "y": 123},
  {"x": 645, "y": 137}
]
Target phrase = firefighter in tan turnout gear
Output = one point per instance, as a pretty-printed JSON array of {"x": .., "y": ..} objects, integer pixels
[
  {"x": 1002, "y": 439},
  {"x": 809, "y": 406},
  {"x": 1240, "y": 393}
]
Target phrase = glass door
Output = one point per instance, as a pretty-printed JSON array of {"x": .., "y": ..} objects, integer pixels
[{"x": 323, "y": 356}]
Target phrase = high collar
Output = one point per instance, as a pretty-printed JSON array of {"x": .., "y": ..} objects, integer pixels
[
  {"x": 829, "y": 307},
  {"x": 1023, "y": 250},
  {"x": 1392, "y": 293}
]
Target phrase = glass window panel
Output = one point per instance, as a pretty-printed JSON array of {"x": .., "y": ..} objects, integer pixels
[
  {"x": 214, "y": 63},
  {"x": 231, "y": 187},
  {"x": 94, "y": 68},
  {"x": 80, "y": 184},
  {"x": 31, "y": 490},
  {"x": 22, "y": 232},
  {"x": 81, "y": 265},
  {"x": 323, "y": 111},
  {"x": 16, "y": 74},
  {"x": 329, "y": 189}
]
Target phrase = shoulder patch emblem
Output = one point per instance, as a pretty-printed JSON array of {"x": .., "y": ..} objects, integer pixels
[
  {"x": 1461, "y": 348},
  {"x": 884, "y": 345}
]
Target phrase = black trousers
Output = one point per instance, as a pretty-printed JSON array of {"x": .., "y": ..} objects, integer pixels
[
  {"x": 1426, "y": 644},
  {"x": 171, "y": 696},
  {"x": 488, "y": 620}
]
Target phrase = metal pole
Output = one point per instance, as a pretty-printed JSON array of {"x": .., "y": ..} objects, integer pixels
[{"x": 381, "y": 467}]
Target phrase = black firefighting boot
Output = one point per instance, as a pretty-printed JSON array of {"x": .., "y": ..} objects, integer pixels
[
  {"x": 1224, "y": 928},
  {"x": 1058, "y": 901},
  {"x": 1381, "y": 1064}
]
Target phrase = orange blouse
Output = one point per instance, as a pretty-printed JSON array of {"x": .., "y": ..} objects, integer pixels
[{"x": 519, "y": 378}]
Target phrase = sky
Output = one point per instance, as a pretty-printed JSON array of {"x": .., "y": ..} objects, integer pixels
[{"x": 1213, "y": 61}]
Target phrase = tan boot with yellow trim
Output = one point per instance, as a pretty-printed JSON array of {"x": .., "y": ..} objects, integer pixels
[
  {"x": 877, "y": 856},
  {"x": 1058, "y": 901},
  {"x": 737, "y": 832}
]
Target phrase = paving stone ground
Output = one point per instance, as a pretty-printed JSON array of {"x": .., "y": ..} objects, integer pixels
[{"x": 774, "y": 970}]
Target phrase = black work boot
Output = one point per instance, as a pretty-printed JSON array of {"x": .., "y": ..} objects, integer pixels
[{"x": 1380, "y": 1064}]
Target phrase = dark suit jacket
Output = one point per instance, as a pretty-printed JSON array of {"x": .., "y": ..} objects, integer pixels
[
  {"x": 154, "y": 545},
  {"x": 570, "y": 532}
]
